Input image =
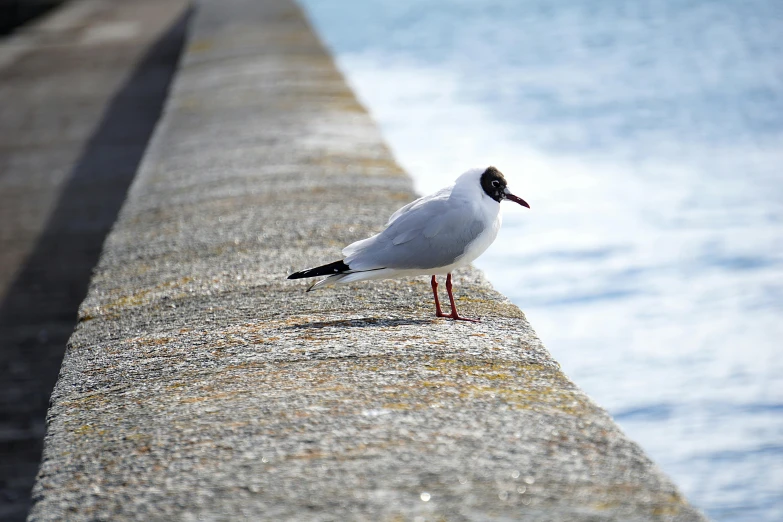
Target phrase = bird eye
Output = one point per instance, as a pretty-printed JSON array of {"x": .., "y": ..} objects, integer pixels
[{"x": 495, "y": 183}]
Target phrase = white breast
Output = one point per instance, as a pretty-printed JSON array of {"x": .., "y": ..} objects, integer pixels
[
  {"x": 479, "y": 245},
  {"x": 489, "y": 212}
]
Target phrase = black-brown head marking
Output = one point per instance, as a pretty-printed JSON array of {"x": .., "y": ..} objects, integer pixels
[{"x": 494, "y": 184}]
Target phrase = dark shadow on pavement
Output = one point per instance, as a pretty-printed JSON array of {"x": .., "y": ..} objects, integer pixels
[
  {"x": 15, "y": 13},
  {"x": 361, "y": 323},
  {"x": 38, "y": 314}
]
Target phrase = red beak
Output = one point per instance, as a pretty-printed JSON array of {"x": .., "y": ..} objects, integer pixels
[{"x": 515, "y": 199}]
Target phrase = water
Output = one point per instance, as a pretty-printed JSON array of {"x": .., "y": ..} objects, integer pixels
[{"x": 648, "y": 138}]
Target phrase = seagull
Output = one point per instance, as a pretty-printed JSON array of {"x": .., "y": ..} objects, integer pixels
[{"x": 432, "y": 235}]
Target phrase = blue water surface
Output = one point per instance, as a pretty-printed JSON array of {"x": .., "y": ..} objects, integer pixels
[{"x": 648, "y": 138}]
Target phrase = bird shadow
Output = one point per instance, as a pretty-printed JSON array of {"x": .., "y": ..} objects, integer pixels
[{"x": 366, "y": 322}]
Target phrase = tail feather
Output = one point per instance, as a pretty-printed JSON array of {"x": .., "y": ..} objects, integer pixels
[
  {"x": 329, "y": 281},
  {"x": 338, "y": 267},
  {"x": 337, "y": 272}
]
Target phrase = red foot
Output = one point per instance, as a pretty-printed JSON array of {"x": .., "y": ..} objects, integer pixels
[
  {"x": 454, "y": 315},
  {"x": 460, "y": 318}
]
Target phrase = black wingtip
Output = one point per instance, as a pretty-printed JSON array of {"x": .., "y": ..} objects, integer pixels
[{"x": 338, "y": 267}]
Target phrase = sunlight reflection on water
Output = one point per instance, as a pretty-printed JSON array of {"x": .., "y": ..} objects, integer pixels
[{"x": 647, "y": 138}]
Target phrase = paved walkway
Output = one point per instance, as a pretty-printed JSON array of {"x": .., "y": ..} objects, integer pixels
[
  {"x": 82, "y": 90},
  {"x": 201, "y": 384}
]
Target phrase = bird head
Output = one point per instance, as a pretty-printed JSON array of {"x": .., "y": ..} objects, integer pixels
[{"x": 494, "y": 185}]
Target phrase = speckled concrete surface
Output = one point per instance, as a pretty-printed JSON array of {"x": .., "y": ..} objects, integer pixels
[
  {"x": 200, "y": 384},
  {"x": 81, "y": 90}
]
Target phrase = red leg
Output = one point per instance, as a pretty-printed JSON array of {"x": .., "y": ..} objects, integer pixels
[
  {"x": 438, "y": 311},
  {"x": 454, "y": 315}
]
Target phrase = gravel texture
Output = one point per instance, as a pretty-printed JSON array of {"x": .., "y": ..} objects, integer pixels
[
  {"x": 200, "y": 384},
  {"x": 81, "y": 90}
]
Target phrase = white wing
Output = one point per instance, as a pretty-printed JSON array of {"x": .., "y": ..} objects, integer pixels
[
  {"x": 442, "y": 194},
  {"x": 431, "y": 232}
]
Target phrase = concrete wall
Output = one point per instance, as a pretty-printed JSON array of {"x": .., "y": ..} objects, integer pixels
[
  {"x": 201, "y": 384},
  {"x": 14, "y": 13},
  {"x": 81, "y": 90}
]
